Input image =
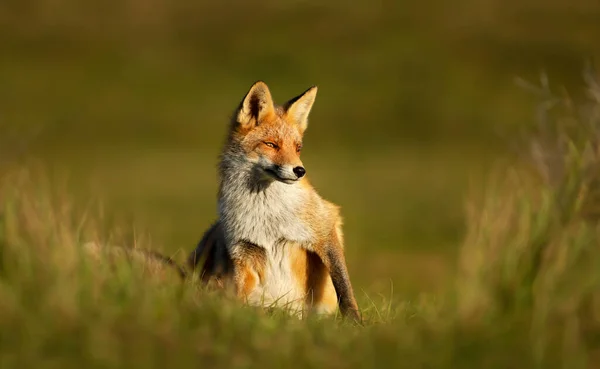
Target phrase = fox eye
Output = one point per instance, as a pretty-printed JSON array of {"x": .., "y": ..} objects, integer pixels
[
  {"x": 271, "y": 145},
  {"x": 298, "y": 148}
]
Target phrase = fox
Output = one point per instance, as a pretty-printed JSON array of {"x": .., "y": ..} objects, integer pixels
[{"x": 275, "y": 240}]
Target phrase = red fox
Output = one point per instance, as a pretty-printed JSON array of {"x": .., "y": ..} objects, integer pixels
[{"x": 276, "y": 240}]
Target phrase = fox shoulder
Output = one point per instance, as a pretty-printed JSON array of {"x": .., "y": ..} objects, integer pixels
[{"x": 324, "y": 217}]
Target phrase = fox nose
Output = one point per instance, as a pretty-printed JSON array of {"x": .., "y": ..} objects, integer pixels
[{"x": 299, "y": 171}]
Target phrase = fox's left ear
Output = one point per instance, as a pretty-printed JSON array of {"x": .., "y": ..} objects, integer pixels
[{"x": 298, "y": 108}]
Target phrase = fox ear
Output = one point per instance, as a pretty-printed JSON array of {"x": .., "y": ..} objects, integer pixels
[
  {"x": 298, "y": 108},
  {"x": 257, "y": 105}
]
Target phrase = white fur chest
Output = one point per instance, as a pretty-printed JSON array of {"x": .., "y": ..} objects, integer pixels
[{"x": 264, "y": 217}]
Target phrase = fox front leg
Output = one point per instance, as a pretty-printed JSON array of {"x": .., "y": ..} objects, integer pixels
[
  {"x": 248, "y": 261},
  {"x": 332, "y": 254}
]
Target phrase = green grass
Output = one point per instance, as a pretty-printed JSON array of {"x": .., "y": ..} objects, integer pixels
[{"x": 525, "y": 295}]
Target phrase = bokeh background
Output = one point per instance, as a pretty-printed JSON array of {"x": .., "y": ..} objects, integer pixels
[{"x": 130, "y": 100}]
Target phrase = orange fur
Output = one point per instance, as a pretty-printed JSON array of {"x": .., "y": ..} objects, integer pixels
[{"x": 312, "y": 276}]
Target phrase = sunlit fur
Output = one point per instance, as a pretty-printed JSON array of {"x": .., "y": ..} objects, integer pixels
[{"x": 284, "y": 242}]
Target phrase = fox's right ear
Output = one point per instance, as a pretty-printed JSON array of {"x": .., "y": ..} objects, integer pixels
[{"x": 257, "y": 105}]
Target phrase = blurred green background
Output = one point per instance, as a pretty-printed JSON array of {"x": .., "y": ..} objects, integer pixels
[{"x": 130, "y": 99}]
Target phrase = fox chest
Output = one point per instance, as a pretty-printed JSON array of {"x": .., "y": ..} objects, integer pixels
[
  {"x": 271, "y": 221},
  {"x": 264, "y": 219}
]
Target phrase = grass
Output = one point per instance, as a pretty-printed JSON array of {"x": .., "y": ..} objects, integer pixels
[
  {"x": 130, "y": 100},
  {"x": 111, "y": 118},
  {"x": 526, "y": 292}
]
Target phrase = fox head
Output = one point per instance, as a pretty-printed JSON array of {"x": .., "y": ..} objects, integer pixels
[{"x": 268, "y": 137}]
